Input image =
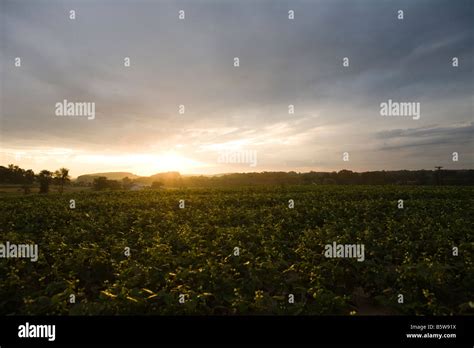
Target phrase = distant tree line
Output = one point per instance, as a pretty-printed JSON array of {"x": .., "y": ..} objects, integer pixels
[
  {"x": 27, "y": 178},
  {"x": 101, "y": 183},
  {"x": 343, "y": 177}
]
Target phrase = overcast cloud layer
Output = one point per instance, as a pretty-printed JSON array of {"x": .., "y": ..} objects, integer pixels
[{"x": 282, "y": 62}]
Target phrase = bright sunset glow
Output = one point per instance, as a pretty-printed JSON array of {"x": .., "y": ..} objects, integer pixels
[{"x": 137, "y": 163}]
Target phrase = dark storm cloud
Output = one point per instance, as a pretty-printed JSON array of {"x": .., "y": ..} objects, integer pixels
[
  {"x": 454, "y": 131},
  {"x": 435, "y": 135}
]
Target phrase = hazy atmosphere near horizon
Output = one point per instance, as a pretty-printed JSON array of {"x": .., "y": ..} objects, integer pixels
[{"x": 289, "y": 99}]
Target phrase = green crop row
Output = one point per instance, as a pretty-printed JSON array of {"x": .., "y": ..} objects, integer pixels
[{"x": 241, "y": 251}]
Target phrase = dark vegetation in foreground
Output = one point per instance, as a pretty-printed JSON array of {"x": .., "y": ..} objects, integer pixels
[{"x": 191, "y": 251}]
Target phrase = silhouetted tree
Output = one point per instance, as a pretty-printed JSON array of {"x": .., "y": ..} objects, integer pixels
[
  {"x": 28, "y": 180},
  {"x": 155, "y": 185},
  {"x": 62, "y": 177},
  {"x": 44, "y": 178},
  {"x": 127, "y": 183},
  {"x": 101, "y": 183}
]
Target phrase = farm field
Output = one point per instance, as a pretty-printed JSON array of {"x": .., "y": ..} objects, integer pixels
[
  {"x": 17, "y": 190},
  {"x": 241, "y": 251}
]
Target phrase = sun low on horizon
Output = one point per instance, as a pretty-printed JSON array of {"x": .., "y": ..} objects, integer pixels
[
  {"x": 142, "y": 164},
  {"x": 146, "y": 164}
]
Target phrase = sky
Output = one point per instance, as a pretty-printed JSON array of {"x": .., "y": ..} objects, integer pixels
[{"x": 236, "y": 110}]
